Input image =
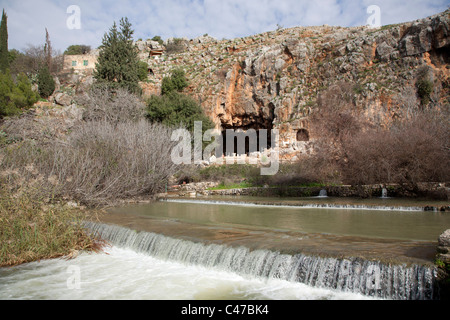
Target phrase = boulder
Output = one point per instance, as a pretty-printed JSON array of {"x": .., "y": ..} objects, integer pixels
[
  {"x": 384, "y": 51},
  {"x": 63, "y": 99},
  {"x": 444, "y": 239},
  {"x": 204, "y": 39},
  {"x": 423, "y": 37}
]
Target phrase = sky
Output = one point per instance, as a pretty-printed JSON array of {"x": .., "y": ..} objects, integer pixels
[{"x": 86, "y": 21}]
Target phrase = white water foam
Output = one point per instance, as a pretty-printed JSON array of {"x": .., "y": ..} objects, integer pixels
[
  {"x": 123, "y": 274},
  {"x": 369, "y": 278},
  {"x": 305, "y": 206}
]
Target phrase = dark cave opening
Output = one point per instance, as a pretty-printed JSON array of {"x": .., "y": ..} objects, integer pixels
[{"x": 246, "y": 141}]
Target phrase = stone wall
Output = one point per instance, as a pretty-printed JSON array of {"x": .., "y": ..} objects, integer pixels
[
  {"x": 80, "y": 63},
  {"x": 368, "y": 191}
]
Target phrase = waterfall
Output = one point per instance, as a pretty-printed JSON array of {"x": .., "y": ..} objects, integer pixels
[
  {"x": 371, "y": 278},
  {"x": 300, "y": 206},
  {"x": 323, "y": 193},
  {"x": 384, "y": 193}
]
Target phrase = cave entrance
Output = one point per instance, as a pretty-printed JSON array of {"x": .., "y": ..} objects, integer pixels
[
  {"x": 245, "y": 141},
  {"x": 255, "y": 135},
  {"x": 302, "y": 135}
]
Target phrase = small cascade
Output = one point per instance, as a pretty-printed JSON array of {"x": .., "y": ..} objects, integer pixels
[
  {"x": 384, "y": 193},
  {"x": 323, "y": 194},
  {"x": 299, "y": 206},
  {"x": 368, "y": 278}
]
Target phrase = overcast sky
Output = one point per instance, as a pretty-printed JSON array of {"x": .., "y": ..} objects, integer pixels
[{"x": 27, "y": 19}]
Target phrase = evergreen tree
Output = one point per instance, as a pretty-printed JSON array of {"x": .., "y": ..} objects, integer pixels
[
  {"x": 143, "y": 70},
  {"x": 46, "y": 84},
  {"x": 15, "y": 96},
  {"x": 173, "y": 108},
  {"x": 77, "y": 49},
  {"x": 118, "y": 62},
  {"x": 4, "y": 53},
  {"x": 176, "y": 82}
]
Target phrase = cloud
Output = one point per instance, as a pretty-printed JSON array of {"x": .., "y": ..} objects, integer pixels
[{"x": 27, "y": 19}]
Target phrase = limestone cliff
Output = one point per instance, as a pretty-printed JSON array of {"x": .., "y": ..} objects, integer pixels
[{"x": 272, "y": 80}]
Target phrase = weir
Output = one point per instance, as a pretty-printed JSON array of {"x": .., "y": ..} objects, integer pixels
[
  {"x": 309, "y": 205},
  {"x": 370, "y": 278}
]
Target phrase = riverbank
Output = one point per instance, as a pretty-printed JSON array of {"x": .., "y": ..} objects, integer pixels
[
  {"x": 388, "y": 251},
  {"x": 33, "y": 229},
  {"x": 434, "y": 195}
]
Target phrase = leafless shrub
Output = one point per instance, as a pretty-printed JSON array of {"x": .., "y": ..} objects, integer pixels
[
  {"x": 410, "y": 152},
  {"x": 175, "y": 46},
  {"x": 406, "y": 101},
  {"x": 98, "y": 163},
  {"x": 336, "y": 120},
  {"x": 222, "y": 73},
  {"x": 414, "y": 149},
  {"x": 32, "y": 57},
  {"x": 103, "y": 105},
  {"x": 337, "y": 117}
]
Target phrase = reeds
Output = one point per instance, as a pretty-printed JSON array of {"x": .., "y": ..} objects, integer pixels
[{"x": 32, "y": 229}]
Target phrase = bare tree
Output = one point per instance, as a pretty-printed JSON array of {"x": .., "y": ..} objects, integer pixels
[
  {"x": 103, "y": 105},
  {"x": 98, "y": 163},
  {"x": 412, "y": 151},
  {"x": 48, "y": 50},
  {"x": 336, "y": 119}
]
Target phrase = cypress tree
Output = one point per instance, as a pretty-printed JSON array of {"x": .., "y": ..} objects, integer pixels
[
  {"x": 46, "y": 84},
  {"x": 118, "y": 61},
  {"x": 4, "y": 54}
]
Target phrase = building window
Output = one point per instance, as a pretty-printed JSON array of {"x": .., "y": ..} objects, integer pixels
[
  {"x": 85, "y": 63},
  {"x": 74, "y": 63}
]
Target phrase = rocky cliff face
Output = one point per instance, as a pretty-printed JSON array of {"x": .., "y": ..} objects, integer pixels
[{"x": 272, "y": 80}]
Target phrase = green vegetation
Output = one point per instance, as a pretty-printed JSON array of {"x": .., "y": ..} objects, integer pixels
[
  {"x": 443, "y": 278},
  {"x": 441, "y": 264},
  {"x": 77, "y": 49},
  {"x": 15, "y": 96},
  {"x": 247, "y": 176},
  {"x": 143, "y": 71},
  {"x": 174, "y": 108},
  {"x": 31, "y": 229},
  {"x": 224, "y": 186},
  {"x": 424, "y": 84},
  {"x": 158, "y": 39},
  {"x": 118, "y": 62},
  {"x": 176, "y": 82},
  {"x": 4, "y": 54},
  {"x": 45, "y": 81}
]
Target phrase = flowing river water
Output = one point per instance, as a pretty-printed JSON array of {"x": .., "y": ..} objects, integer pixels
[{"x": 247, "y": 248}]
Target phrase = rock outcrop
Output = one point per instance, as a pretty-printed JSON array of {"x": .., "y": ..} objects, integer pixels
[
  {"x": 444, "y": 247},
  {"x": 443, "y": 261},
  {"x": 272, "y": 80}
]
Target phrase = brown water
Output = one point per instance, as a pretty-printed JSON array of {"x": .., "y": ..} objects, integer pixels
[{"x": 406, "y": 235}]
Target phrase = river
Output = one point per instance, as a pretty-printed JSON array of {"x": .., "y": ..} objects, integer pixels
[{"x": 251, "y": 249}]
